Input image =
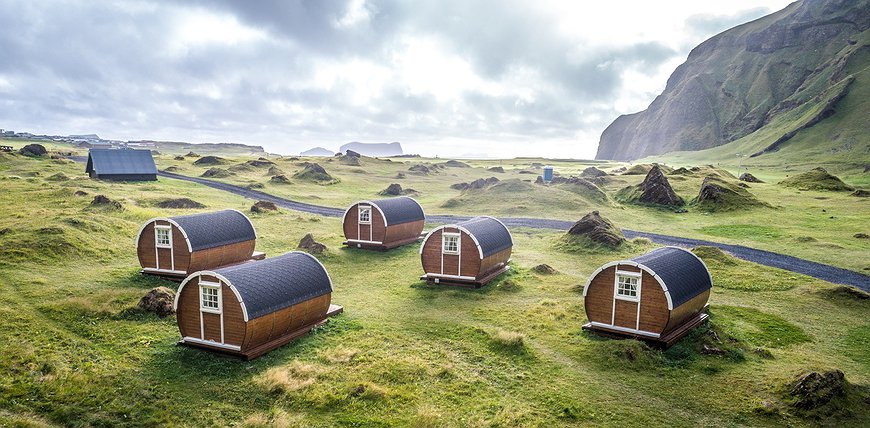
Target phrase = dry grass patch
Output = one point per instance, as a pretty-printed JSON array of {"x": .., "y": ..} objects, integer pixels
[
  {"x": 508, "y": 339},
  {"x": 277, "y": 419},
  {"x": 291, "y": 378},
  {"x": 340, "y": 355}
]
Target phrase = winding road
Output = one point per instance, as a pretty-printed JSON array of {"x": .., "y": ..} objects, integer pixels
[{"x": 816, "y": 270}]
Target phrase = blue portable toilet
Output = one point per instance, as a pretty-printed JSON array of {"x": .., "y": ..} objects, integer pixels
[{"x": 548, "y": 173}]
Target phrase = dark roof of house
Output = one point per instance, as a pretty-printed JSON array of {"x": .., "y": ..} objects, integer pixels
[
  {"x": 279, "y": 282},
  {"x": 215, "y": 229},
  {"x": 682, "y": 272},
  {"x": 120, "y": 162},
  {"x": 400, "y": 210},
  {"x": 490, "y": 233}
]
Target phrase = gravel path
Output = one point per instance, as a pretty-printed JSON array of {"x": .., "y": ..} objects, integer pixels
[
  {"x": 817, "y": 270},
  {"x": 794, "y": 264}
]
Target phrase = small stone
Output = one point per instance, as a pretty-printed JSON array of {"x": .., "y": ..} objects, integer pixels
[
  {"x": 263, "y": 206},
  {"x": 310, "y": 245},
  {"x": 544, "y": 269}
]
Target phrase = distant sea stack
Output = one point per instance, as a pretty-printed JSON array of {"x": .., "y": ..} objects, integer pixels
[
  {"x": 374, "y": 149},
  {"x": 317, "y": 151},
  {"x": 794, "y": 65}
]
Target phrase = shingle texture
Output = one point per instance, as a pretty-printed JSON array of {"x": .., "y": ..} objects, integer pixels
[
  {"x": 490, "y": 233},
  {"x": 683, "y": 273},
  {"x": 400, "y": 210},
  {"x": 214, "y": 229},
  {"x": 120, "y": 162},
  {"x": 279, "y": 282}
]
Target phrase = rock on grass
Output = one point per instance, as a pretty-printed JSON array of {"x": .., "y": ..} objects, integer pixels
[
  {"x": 496, "y": 169},
  {"x": 263, "y": 206},
  {"x": 394, "y": 189},
  {"x": 749, "y": 178},
  {"x": 104, "y": 201},
  {"x": 159, "y": 301},
  {"x": 544, "y": 269},
  {"x": 592, "y": 172},
  {"x": 280, "y": 179},
  {"x": 819, "y": 393},
  {"x": 310, "y": 245}
]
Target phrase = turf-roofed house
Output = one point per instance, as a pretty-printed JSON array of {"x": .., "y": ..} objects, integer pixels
[
  {"x": 469, "y": 253},
  {"x": 659, "y": 296},
  {"x": 383, "y": 224},
  {"x": 121, "y": 165},
  {"x": 173, "y": 247},
  {"x": 250, "y": 309}
]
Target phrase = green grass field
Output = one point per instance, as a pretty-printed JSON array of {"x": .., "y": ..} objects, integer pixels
[{"x": 74, "y": 350}]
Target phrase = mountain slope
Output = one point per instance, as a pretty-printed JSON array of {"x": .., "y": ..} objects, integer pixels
[{"x": 769, "y": 78}]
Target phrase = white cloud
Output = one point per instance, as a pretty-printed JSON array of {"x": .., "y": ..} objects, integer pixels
[{"x": 501, "y": 77}]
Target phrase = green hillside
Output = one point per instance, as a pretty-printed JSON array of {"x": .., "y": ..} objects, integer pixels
[{"x": 756, "y": 88}]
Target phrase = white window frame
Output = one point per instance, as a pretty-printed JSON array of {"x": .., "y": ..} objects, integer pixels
[
  {"x": 362, "y": 209},
  {"x": 157, "y": 230},
  {"x": 444, "y": 237},
  {"x": 627, "y": 275},
  {"x": 206, "y": 285}
]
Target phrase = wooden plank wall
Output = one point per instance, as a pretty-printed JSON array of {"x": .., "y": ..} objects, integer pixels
[
  {"x": 285, "y": 321},
  {"x": 216, "y": 257},
  {"x": 654, "y": 313},
  {"x": 402, "y": 232},
  {"x": 351, "y": 225},
  {"x": 431, "y": 256},
  {"x": 188, "y": 314}
]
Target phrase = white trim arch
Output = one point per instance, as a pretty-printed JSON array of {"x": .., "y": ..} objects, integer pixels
[
  {"x": 460, "y": 228},
  {"x": 172, "y": 222},
  {"x": 637, "y": 265},
  {"x": 221, "y": 278},
  {"x": 344, "y": 217}
]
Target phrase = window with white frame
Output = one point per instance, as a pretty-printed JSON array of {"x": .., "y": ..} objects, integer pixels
[
  {"x": 209, "y": 297},
  {"x": 365, "y": 215},
  {"x": 164, "y": 236},
  {"x": 450, "y": 243},
  {"x": 627, "y": 287}
]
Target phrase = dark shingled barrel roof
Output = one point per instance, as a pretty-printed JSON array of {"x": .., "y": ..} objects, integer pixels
[
  {"x": 682, "y": 272},
  {"x": 279, "y": 282},
  {"x": 120, "y": 162},
  {"x": 490, "y": 233},
  {"x": 214, "y": 229},
  {"x": 400, "y": 210}
]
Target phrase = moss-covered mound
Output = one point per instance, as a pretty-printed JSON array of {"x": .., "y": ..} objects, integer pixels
[
  {"x": 717, "y": 194},
  {"x": 640, "y": 169},
  {"x": 314, "y": 172},
  {"x": 182, "y": 203},
  {"x": 749, "y": 178},
  {"x": 592, "y": 172},
  {"x": 583, "y": 187},
  {"x": 597, "y": 230},
  {"x": 816, "y": 179},
  {"x": 210, "y": 160},
  {"x": 654, "y": 190},
  {"x": 216, "y": 173}
]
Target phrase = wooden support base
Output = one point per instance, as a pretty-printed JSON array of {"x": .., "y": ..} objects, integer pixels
[
  {"x": 381, "y": 247},
  {"x": 665, "y": 341},
  {"x": 250, "y": 354},
  {"x": 178, "y": 277},
  {"x": 466, "y": 283}
]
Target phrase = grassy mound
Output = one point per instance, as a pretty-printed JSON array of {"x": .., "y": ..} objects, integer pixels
[
  {"x": 314, "y": 172},
  {"x": 210, "y": 160},
  {"x": 717, "y": 194},
  {"x": 216, "y": 173},
  {"x": 180, "y": 203},
  {"x": 584, "y": 188},
  {"x": 641, "y": 169},
  {"x": 816, "y": 179}
]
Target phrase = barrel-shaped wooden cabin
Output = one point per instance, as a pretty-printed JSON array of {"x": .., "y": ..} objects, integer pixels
[
  {"x": 659, "y": 296},
  {"x": 252, "y": 308},
  {"x": 383, "y": 224},
  {"x": 469, "y": 253},
  {"x": 173, "y": 247}
]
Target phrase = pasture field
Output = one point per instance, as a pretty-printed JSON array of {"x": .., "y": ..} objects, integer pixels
[{"x": 75, "y": 350}]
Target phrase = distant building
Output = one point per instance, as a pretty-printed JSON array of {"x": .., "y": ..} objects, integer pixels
[
  {"x": 121, "y": 165},
  {"x": 94, "y": 145}
]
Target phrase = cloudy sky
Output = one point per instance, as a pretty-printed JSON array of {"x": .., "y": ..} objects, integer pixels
[{"x": 448, "y": 77}]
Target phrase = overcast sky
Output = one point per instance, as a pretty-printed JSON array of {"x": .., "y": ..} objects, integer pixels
[{"x": 447, "y": 77}]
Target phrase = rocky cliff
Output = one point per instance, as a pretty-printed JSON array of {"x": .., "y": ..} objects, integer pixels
[{"x": 792, "y": 64}]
